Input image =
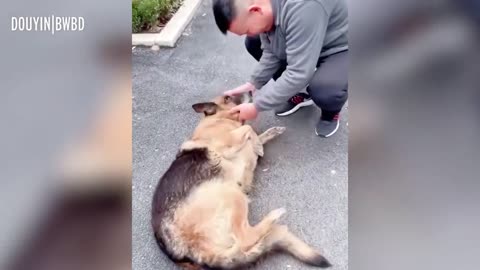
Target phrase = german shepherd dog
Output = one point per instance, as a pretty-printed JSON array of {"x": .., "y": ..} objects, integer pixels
[{"x": 200, "y": 205}]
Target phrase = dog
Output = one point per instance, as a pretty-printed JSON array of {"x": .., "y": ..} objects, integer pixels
[{"x": 200, "y": 204}]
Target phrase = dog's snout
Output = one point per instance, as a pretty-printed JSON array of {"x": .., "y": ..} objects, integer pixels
[
  {"x": 238, "y": 99},
  {"x": 248, "y": 97},
  {"x": 243, "y": 98}
]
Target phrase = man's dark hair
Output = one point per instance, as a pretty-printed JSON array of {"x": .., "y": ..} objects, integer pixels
[{"x": 224, "y": 12}]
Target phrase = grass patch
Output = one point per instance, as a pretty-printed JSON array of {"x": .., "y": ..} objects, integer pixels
[{"x": 152, "y": 15}]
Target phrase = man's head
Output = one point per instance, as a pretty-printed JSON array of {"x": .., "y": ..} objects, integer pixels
[{"x": 243, "y": 17}]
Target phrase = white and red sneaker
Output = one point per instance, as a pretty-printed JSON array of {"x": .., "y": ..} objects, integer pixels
[
  {"x": 327, "y": 127},
  {"x": 294, "y": 104}
]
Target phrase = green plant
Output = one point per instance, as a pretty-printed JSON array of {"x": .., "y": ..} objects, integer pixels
[
  {"x": 136, "y": 19},
  {"x": 146, "y": 13},
  {"x": 165, "y": 7}
]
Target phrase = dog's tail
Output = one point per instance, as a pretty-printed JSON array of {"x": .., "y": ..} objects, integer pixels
[{"x": 280, "y": 238}]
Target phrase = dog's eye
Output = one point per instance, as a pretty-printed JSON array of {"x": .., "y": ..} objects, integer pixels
[{"x": 227, "y": 99}]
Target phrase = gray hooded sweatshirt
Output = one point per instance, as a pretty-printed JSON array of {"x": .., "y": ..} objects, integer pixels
[{"x": 303, "y": 32}]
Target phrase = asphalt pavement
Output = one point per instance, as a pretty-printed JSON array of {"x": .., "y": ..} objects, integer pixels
[{"x": 304, "y": 173}]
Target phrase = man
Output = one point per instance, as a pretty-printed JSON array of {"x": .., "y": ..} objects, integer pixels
[{"x": 301, "y": 44}]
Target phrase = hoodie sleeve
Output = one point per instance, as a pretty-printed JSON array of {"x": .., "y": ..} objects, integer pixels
[
  {"x": 266, "y": 67},
  {"x": 305, "y": 28}
]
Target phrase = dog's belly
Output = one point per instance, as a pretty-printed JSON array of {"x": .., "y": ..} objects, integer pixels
[{"x": 206, "y": 219}]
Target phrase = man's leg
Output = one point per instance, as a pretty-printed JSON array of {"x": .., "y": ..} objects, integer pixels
[
  {"x": 329, "y": 90},
  {"x": 253, "y": 45}
]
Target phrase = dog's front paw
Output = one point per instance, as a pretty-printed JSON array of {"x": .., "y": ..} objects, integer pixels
[
  {"x": 275, "y": 131},
  {"x": 277, "y": 213},
  {"x": 271, "y": 133}
]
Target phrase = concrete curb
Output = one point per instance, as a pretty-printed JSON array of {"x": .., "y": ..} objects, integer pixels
[{"x": 171, "y": 32}]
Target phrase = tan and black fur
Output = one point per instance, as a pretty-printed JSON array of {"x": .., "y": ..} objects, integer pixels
[{"x": 200, "y": 205}]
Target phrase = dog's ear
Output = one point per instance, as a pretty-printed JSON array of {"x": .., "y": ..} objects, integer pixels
[{"x": 208, "y": 108}]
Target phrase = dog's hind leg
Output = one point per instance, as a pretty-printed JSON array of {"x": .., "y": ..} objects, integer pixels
[
  {"x": 256, "y": 233},
  {"x": 257, "y": 241},
  {"x": 270, "y": 134},
  {"x": 247, "y": 235},
  {"x": 280, "y": 238}
]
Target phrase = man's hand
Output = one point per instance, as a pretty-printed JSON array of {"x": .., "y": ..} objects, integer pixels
[
  {"x": 247, "y": 111},
  {"x": 247, "y": 87}
]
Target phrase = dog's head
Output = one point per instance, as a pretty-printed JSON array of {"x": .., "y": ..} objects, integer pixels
[{"x": 220, "y": 106}]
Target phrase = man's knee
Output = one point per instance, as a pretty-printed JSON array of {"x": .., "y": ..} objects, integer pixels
[
  {"x": 328, "y": 94},
  {"x": 254, "y": 46}
]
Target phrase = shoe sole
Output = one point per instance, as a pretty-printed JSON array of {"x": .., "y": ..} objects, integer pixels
[
  {"x": 331, "y": 133},
  {"x": 296, "y": 108}
]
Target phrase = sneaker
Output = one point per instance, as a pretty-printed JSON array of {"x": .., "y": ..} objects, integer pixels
[
  {"x": 294, "y": 103},
  {"x": 326, "y": 128}
]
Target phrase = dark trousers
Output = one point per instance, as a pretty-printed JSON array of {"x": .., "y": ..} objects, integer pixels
[{"x": 328, "y": 86}]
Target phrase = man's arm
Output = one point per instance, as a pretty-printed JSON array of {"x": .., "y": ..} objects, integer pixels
[
  {"x": 306, "y": 25},
  {"x": 266, "y": 67}
]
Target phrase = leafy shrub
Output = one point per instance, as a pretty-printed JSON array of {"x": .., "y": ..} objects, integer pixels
[{"x": 146, "y": 13}]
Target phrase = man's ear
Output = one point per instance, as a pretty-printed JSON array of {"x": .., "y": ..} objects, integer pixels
[
  {"x": 255, "y": 8},
  {"x": 208, "y": 108}
]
